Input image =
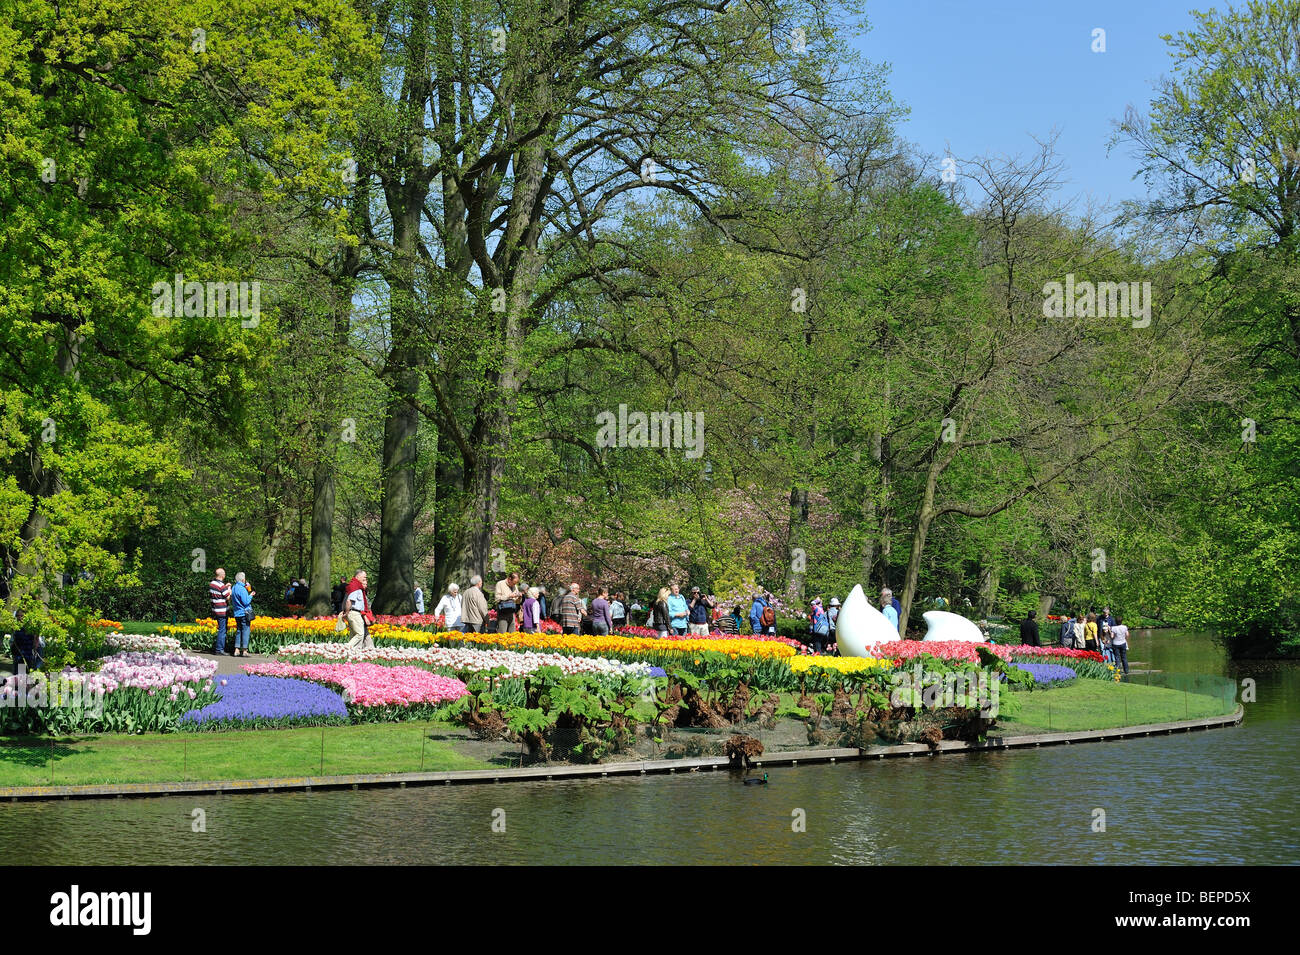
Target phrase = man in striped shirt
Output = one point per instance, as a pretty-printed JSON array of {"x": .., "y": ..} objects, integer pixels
[
  {"x": 219, "y": 594},
  {"x": 570, "y": 611}
]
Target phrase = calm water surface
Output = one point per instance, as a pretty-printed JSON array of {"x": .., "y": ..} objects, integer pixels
[{"x": 1216, "y": 797}]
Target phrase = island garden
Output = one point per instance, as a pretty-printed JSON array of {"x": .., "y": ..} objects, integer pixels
[{"x": 149, "y": 709}]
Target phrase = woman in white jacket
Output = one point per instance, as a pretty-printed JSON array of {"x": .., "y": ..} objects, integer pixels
[{"x": 449, "y": 608}]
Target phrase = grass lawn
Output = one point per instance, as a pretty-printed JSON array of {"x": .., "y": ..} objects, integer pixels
[
  {"x": 177, "y": 757},
  {"x": 1101, "y": 704},
  {"x": 146, "y": 626}
]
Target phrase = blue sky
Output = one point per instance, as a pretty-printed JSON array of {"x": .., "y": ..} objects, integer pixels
[{"x": 986, "y": 75}]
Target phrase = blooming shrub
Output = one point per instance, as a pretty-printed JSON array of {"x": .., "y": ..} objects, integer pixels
[
  {"x": 255, "y": 702},
  {"x": 373, "y": 692}
]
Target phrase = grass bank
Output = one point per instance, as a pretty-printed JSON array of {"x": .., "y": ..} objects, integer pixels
[
  {"x": 254, "y": 754},
  {"x": 1099, "y": 704}
]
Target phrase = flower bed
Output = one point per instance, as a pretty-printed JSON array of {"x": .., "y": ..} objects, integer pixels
[
  {"x": 616, "y": 646},
  {"x": 268, "y": 634},
  {"x": 964, "y": 650},
  {"x": 803, "y": 664},
  {"x": 141, "y": 643},
  {"x": 1045, "y": 674},
  {"x": 374, "y": 693},
  {"x": 647, "y": 633},
  {"x": 257, "y": 702},
  {"x": 458, "y": 659},
  {"x": 131, "y": 692}
]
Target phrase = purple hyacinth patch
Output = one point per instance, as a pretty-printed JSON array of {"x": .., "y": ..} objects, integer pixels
[
  {"x": 264, "y": 699},
  {"x": 1047, "y": 672}
]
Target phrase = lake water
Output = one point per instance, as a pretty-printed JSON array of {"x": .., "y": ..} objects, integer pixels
[{"x": 1214, "y": 797}]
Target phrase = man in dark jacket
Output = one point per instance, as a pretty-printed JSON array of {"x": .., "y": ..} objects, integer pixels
[{"x": 1029, "y": 629}]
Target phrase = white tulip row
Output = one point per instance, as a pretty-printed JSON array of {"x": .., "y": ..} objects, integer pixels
[{"x": 517, "y": 663}]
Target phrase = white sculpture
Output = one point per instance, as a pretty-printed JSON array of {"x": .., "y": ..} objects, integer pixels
[
  {"x": 941, "y": 625},
  {"x": 861, "y": 625}
]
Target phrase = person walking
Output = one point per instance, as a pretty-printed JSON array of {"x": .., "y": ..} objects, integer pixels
[
  {"x": 660, "y": 618},
  {"x": 474, "y": 608},
  {"x": 1077, "y": 631},
  {"x": 756, "y": 613},
  {"x": 819, "y": 627},
  {"x": 1119, "y": 643},
  {"x": 1029, "y": 630},
  {"x": 617, "y": 613},
  {"x": 888, "y": 609},
  {"x": 832, "y": 617},
  {"x": 241, "y": 603},
  {"x": 543, "y": 613},
  {"x": 419, "y": 600},
  {"x": 507, "y": 602},
  {"x": 767, "y": 622},
  {"x": 336, "y": 594},
  {"x": 449, "y": 608},
  {"x": 530, "y": 617},
  {"x": 219, "y": 596},
  {"x": 1067, "y": 631},
  {"x": 699, "y": 609},
  {"x": 678, "y": 611},
  {"x": 356, "y": 608},
  {"x": 602, "y": 620},
  {"x": 570, "y": 611}
]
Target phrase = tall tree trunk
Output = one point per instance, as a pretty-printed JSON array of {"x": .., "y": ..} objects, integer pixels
[
  {"x": 405, "y": 193},
  {"x": 322, "y": 534},
  {"x": 797, "y": 571},
  {"x": 43, "y": 483},
  {"x": 925, "y": 514},
  {"x": 396, "y": 591}
]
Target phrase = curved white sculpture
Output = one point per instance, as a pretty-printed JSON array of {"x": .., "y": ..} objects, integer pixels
[
  {"x": 861, "y": 625},
  {"x": 942, "y": 625}
]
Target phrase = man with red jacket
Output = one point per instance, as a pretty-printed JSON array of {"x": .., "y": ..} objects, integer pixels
[{"x": 356, "y": 607}]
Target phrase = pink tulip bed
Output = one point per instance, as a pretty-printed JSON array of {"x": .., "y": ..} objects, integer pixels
[
  {"x": 374, "y": 693},
  {"x": 1085, "y": 662}
]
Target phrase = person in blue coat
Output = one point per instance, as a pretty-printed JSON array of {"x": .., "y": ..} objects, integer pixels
[
  {"x": 756, "y": 613},
  {"x": 241, "y": 608}
]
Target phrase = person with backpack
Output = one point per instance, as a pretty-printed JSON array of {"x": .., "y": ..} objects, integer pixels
[
  {"x": 1067, "y": 631},
  {"x": 768, "y": 621},
  {"x": 820, "y": 626}
]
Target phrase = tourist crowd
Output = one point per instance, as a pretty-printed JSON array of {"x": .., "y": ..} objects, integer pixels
[{"x": 669, "y": 612}]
